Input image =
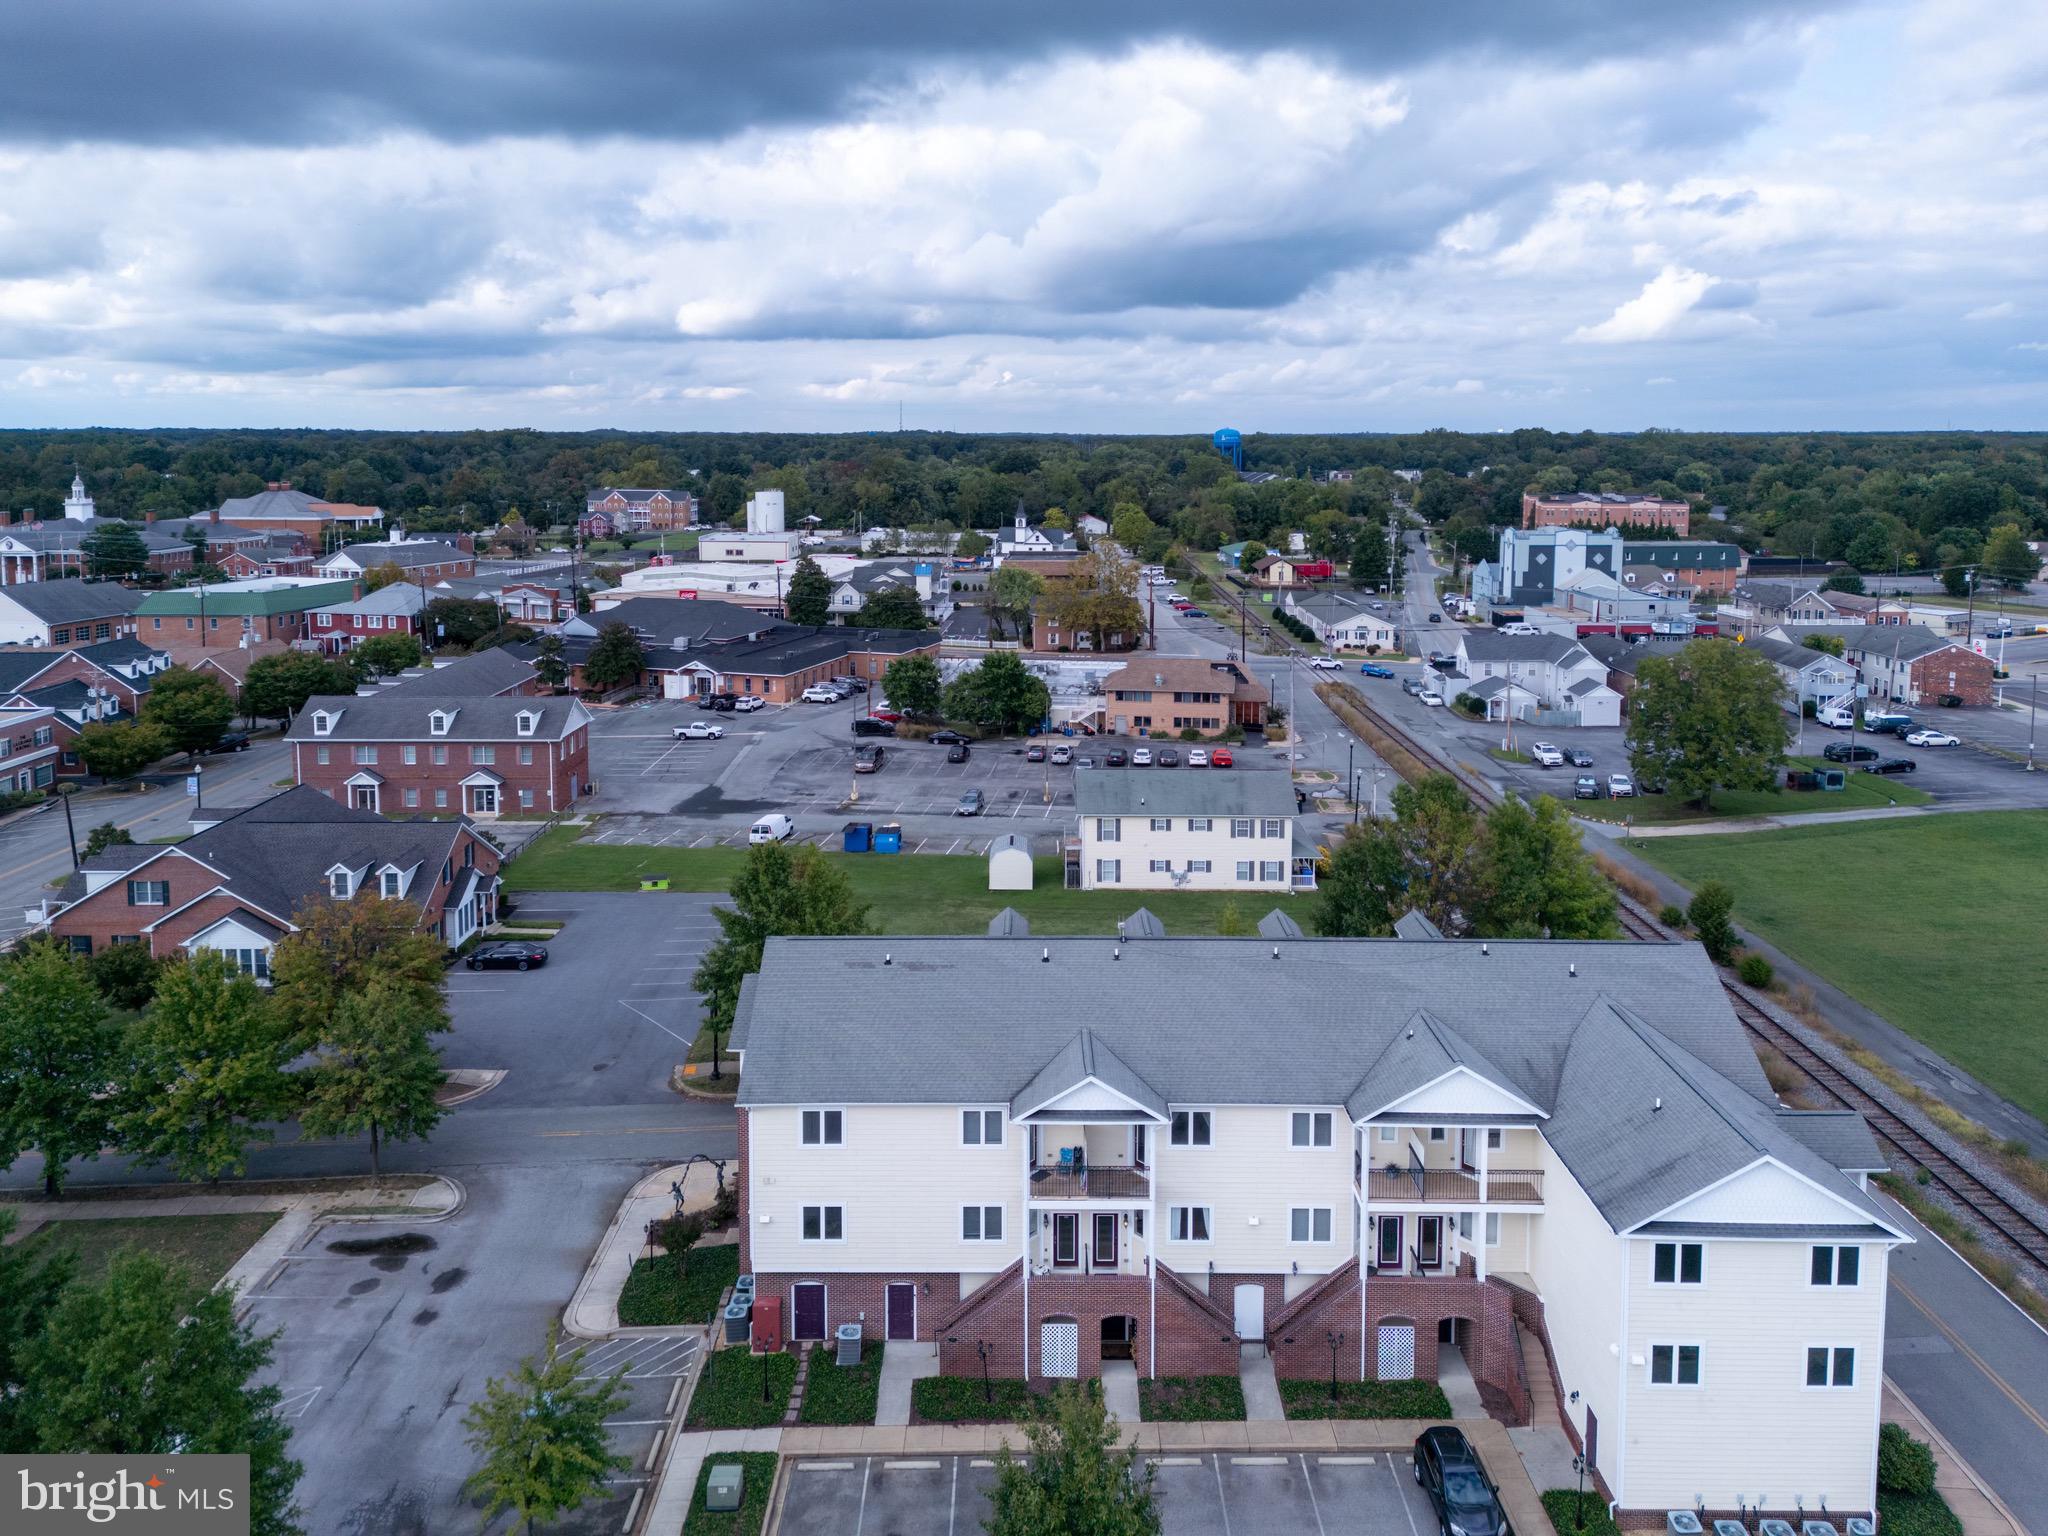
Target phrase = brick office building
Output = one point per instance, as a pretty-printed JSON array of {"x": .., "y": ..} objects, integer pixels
[
  {"x": 228, "y": 613},
  {"x": 638, "y": 509},
  {"x": 66, "y": 611},
  {"x": 238, "y": 886},
  {"x": 417, "y": 748},
  {"x": 392, "y": 610},
  {"x": 1606, "y": 509},
  {"x": 1906, "y": 663},
  {"x": 428, "y": 560},
  {"x": 1165, "y": 695}
]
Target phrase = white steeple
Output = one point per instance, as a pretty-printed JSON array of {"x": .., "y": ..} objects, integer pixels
[{"x": 78, "y": 506}]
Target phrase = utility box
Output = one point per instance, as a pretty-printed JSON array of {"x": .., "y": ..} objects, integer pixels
[
  {"x": 768, "y": 1330},
  {"x": 654, "y": 882},
  {"x": 724, "y": 1488},
  {"x": 847, "y": 1336}
]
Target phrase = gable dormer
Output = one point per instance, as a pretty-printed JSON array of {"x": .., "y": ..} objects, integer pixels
[
  {"x": 325, "y": 720},
  {"x": 341, "y": 882},
  {"x": 527, "y": 721},
  {"x": 441, "y": 721},
  {"x": 391, "y": 882}
]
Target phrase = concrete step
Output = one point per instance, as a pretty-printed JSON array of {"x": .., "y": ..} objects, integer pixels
[{"x": 1542, "y": 1389}]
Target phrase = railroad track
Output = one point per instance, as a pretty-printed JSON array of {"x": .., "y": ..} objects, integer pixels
[{"x": 1916, "y": 1151}]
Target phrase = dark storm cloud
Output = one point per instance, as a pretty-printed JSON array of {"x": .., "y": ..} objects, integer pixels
[{"x": 261, "y": 72}]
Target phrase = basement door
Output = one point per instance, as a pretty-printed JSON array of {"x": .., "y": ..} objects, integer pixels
[
  {"x": 1059, "y": 1349},
  {"x": 1395, "y": 1360}
]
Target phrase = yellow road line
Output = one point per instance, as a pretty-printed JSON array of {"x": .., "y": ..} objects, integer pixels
[{"x": 1973, "y": 1357}]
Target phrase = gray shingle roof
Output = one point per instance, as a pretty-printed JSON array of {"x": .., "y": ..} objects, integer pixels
[
  {"x": 1787, "y": 654},
  {"x": 955, "y": 1021},
  {"x": 1492, "y": 645},
  {"x": 1413, "y": 925},
  {"x": 369, "y": 557},
  {"x": 1009, "y": 924},
  {"x": 403, "y": 714},
  {"x": 1166, "y": 792},
  {"x": 1278, "y": 925},
  {"x": 480, "y": 674},
  {"x": 1080, "y": 1059},
  {"x": 1909, "y": 642},
  {"x": 67, "y": 600},
  {"x": 1141, "y": 924}
]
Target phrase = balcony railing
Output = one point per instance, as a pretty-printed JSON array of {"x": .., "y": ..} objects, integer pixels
[
  {"x": 1094, "y": 1181},
  {"x": 1453, "y": 1186}
]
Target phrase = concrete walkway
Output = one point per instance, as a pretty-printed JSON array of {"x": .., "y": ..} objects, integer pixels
[
  {"x": 593, "y": 1312},
  {"x": 1982, "y": 1512},
  {"x": 1120, "y": 1390},
  {"x": 1455, "y": 1377},
  {"x": 903, "y": 1362},
  {"x": 1261, "y": 1390}
]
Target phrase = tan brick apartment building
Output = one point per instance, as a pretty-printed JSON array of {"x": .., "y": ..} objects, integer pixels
[
  {"x": 238, "y": 886},
  {"x": 1605, "y": 509},
  {"x": 1165, "y": 695},
  {"x": 417, "y": 749}
]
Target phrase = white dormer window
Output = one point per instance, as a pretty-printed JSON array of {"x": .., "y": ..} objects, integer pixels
[
  {"x": 527, "y": 721},
  {"x": 339, "y": 884},
  {"x": 394, "y": 883},
  {"x": 439, "y": 721},
  {"x": 323, "y": 722}
]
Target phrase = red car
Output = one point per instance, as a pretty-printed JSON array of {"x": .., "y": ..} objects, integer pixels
[
  {"x": 1220, "y": 758},
  {"x": 885, "y": 714}
]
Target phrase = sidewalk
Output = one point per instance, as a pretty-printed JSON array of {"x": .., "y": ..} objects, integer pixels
[
  {"x": 593, "y": 1312},
  {"x": 1980, "y": 1510}
]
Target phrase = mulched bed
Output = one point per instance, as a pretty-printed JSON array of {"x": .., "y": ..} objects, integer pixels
[{"x": 1188, "y": 1399}]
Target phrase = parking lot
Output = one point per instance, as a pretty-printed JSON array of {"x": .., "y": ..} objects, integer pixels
[{"x": 1219, "y": 1493}]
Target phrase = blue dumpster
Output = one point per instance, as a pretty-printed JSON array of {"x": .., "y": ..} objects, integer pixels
[
  {"x": 859, "y": 836},
  {"x": 889, "y": 838}
]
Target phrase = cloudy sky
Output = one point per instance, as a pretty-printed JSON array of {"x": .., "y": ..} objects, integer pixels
[{"x": 1067, "y": 214}]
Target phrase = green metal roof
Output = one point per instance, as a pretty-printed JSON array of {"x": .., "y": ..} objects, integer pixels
[{"x": 263, "y": 601}]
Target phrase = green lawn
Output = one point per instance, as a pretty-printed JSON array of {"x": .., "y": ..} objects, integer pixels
[
  {"x": 207, "y": 1246},
  {"x": 908, "y": 893},
  {"x": 657, "y": 1295},
  {"x": 1364, "y": 1400},
  {"x": 1932, "y": 921},
  {"x": 1861, "y": 792},
  {"x": 757, "y": 1478},
  {"x": 729, "y": 1394},
  {"x": 842, "y": 1394}
]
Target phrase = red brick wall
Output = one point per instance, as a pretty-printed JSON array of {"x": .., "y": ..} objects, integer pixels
[
  {"x": 1192, "y": 1340},
  {"x": 1931, "y": 677},
  {"x": 848, "y": 1297},
  {"x": 548, "y": 775},
  {"x": 84, "y": 631}
]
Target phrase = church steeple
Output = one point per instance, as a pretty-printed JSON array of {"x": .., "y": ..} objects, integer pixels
[{"x": 78, "y": 506}]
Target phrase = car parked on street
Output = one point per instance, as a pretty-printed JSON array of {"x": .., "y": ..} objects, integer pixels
[
  {"x": 1620, "y": 786},
  {"x": 1062, "y": 755},
  {"x": 507, "y": 955},
  {"x": 864, "y": 725},
  {"x": 232, "y": 741},
  {"x": 1449, "y": 1471},
  {"x": 1432, "y": 698},
  {"x": 1929, "y": 737},
  {"x": 1198, "y": 757},
  {"x": 1412, "y": 686},
  {"x": 1221, "y": 758},
  {"x": 1167, "y": 757},
  {"x": 1374, "y": 669},
  {"x": 1546, "y": 754},
  {"x": 697, "y": 730},
  {"x": 971, "y": 803},
  {"x": 946, "y": 739},
  {"x": 868, "y": 758},
  {"x": 1892, "y": 765}
]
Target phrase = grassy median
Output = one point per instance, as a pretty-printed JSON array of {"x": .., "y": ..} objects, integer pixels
[{"x": 206, "y": 1247}]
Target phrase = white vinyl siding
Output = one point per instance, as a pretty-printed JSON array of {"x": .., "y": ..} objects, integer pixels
[
  {"x": 981, "y": 1127},
  {"x": 1176, "y": 853}
]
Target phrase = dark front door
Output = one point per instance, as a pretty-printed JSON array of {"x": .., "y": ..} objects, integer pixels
[
  {"x": 1390, "y": 1242},
  {"x": 902, "y": 1311},
  {"x": 1429, "y": 1241},
  {"x": 808, "y": 1308},
  {"x": 1104, "y": 1256},
  {"x": 1592, "y": 1440},
  {"x": 1066, "y": 1238}
]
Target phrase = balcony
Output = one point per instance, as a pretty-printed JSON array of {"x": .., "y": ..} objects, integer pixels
[
  {"x": 1094, "y": 1181},
  {"x": 1453, "y": 1186}
]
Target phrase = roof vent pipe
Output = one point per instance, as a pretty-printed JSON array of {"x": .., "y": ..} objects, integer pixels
[
  {"x": 1116, "y": 954},
  {"x": 1276, "y": 951},
  {"x": 1482, "y": 949},
  {"x": 1045, "y": 956},
  {"x": 885, "y": 958},
  {"x": 1573, "y": 968},
  {"x": 1656, "y": 1104}
]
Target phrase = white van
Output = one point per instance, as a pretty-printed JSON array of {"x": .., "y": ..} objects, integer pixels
[
  {"x": 772, "y": 829},
  {"x": 1838, "y": 716}
]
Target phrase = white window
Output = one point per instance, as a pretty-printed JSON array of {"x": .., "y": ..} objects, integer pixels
[
  {"x": 1272, "y": 826},
  {"x": 1108, "y": 871},
  {"x": 824, "y": 1224},
  {"x": 1191, "y": 1128},
  {"x": 1198, "y": 866},
  {"x": 323, "y": 722},
  {"x": 824, "y": 1127},
  {"x": 439, "y": 721},
  {"x": 411, "y": 754},
  {"x": 149, "y": 893},
  {"x": 483, "y": 757},
  {"x": 1438, "y": 1133},
  {"x": 1199, "y": 823},
  {"x": 1493, "y": 1229},
  {"x": 394, "y": 882},
  {"x": 1162, "y": 823},
  {"x": 1837, "y": 1266},
  {"x": 1308, "y": 1224},
  {"x": 326, "y": 621},
  {"x": 981, "y": 1223},
  {"x": 440, "y": 799},
  {"x": 1493, "y": 1139},
  {"x": 526, "y": 799},
  {"x": 1187, "y": 1223},
  {"x": 440, "y": 757},
  {"x": 981, "y": 1127},
  {"x": 338, "y": 885},
  {"x": 1241, "y": 826},
  {"x": 1310, "y": 1128},
  {"x": 1830, "y": 1367},
  {"x": 250, "y": 962},
  {"x": 526, "y": 721},
  {"x": 1679, "y": 1264},
  {"x": 1388, "y": 1133},
  {"x": 1674, "y": 1365},
  {"x": 1162, "y": 866},
  {"x": 1244, "y": 869},
  {"x": 412, "y": 799},
  {"x": 1272, "y": 870},
  {"x": 366, "y": 756},
  {"x": 1106, "y": 828}
]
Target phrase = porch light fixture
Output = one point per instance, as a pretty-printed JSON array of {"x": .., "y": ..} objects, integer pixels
[
  {"x": 766, "y": 1218},
  {"x": 1255, "y": 1221}
]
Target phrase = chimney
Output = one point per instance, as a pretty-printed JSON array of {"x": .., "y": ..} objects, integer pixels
[
  {"x": 214, "y": 515},
  {"x": 357, "y": 585}
]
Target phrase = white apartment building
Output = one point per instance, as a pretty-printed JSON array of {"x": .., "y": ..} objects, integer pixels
[
  {"x": 1072, "y": 1151},
  {"x": 1177, "y": 829}
]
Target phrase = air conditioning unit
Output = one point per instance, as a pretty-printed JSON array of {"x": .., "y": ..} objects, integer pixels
[
  {"x": 1681, "y": 1522},
  {"x": 1857, "y": 1525},
  {"x": 1774, "y": 1528},
  {"x": 1817, "y": 1528},
  {"x": 1737, "y": 1528}
]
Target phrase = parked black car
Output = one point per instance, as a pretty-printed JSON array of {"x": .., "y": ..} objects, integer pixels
[
  {"x": 233, "y": 741},
  {"x": 724, "y": 701},
  {"x": 508, "y": 956},
  {"x": 1892, "y": 765},
  {"x": 1849, "y": 752},
  {"x": 946, "y": 739},
  {"x": 957, "y": 753},
  {"x": 1586, "y": 787},
  {"x": 1449, "y": 1471},
  {"x": 863, "y": 726},
  {"x": 1117, "y": 757}
]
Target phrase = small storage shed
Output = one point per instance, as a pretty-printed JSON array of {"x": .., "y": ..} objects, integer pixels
[{"x": 1009, "y": 863}]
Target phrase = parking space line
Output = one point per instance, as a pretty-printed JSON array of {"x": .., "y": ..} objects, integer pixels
[
  {"x": 1258, "y": 1461},
  {"x": 824, "y": 1466},
  {"x": 1344, "y": 1461},
  {"x": 1223, "y": 1503},
  {"x": 1314, "y": 1507},
  {"x": 652, "y": 1020},
  {"x": 1401, "y": 1497},
  {"x": 910, "y": 1466},
  {"x": 1161, "y": 1461},
  {"x": 980, "y": 1461},
  {"x": 953, "y": 1499},
  {"x": 867, "y": 1469}
]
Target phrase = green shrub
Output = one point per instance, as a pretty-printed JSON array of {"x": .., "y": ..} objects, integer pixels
[
  {"x": 1709, "y": 914},
  {"x": 1190, "y": 1399},
  {"x": 1904, "y": 1465},
  {"x": 1190, "y": 734},
  {"x": 660, "y": 1294},
  {"x": 1755, "y": 971},
  {"x": 1364, "y": 1400},
  {"x": 1565, "y": 1508},
  {"x": 125, "y": 975},
  {"x": 842, "y": 1394},
  {"x": 757, "y": 1480},
  {"x": 730, "y": 1394},
  {"x": 1902, "y": 1514},
  {"x": 1672, "y": 916},
  {"x": 959, "y": 1400}
]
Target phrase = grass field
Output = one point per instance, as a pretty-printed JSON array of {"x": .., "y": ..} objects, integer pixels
[
  {"x": 907, "y": 893},
  {"x": 1933, "y": 922},
  {"x": 206, "y": 1246},
  {"x": 1860, "y": 792}
]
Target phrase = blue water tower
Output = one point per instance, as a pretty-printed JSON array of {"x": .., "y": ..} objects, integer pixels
[{"x": 1230, "y": 444}]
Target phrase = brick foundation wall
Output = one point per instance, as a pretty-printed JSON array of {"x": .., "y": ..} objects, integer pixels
[
  {"x": 1191, "y": 1339},
  {"x": 862, "y": 1298},
  {"x": 1653, "y": 1519}
]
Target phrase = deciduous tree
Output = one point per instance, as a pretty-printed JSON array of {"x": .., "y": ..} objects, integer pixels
[
  {"x": 33, "y": 1278},
  {"x": 616, "y": 658},
  {"x": 999, "y": 694},
  {"x": 115, "y": 549},
  {"x": 378, "y": 577},
  {"x": 119, "y": 749},
  {"x": 1707, "y": 718},
  {"x": 550, "y": 662},
  {"x": 104, "y": 836},
  {"x": 378, "y": 1071},
  {"x": 191, "y": 708},
  {"x": 2007, "y": 558},
  {"x": 780, "y": 890},
  {"x": 893, "y": 608},
  {"x": 342, "y": 949},
  {"x": 207, "y": 1073},
  {"x": 1536, "y": 879},
  {"x": 1827, "y": 645},
  {"x": 810, "y": 594},
  {"x": 277, "y": 687},
  {"x": 1075, "y": 1478},
  {"x": 542, "y": 1437},
  {"x": 58, "y": 1058},
  {"x": 1711, "y": 917},
  {"x": 386, "y": 655},
  {"x": 911, "y": 684},
  {"x": 1012, "y": 591}
]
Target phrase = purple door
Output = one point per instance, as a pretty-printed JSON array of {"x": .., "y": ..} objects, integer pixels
[
  {"x": 902, "y": 1311},
  {"x": 808, "y": 1308},
  {"x": 1592, "y": 1440}
]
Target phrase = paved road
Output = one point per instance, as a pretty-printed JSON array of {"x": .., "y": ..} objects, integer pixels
[{"x": 380, "y": 1353}]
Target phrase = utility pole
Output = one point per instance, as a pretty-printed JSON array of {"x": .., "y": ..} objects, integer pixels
[
  {"x": 1970, "y": 610},
  {"x": 2033, "y": 698}
]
